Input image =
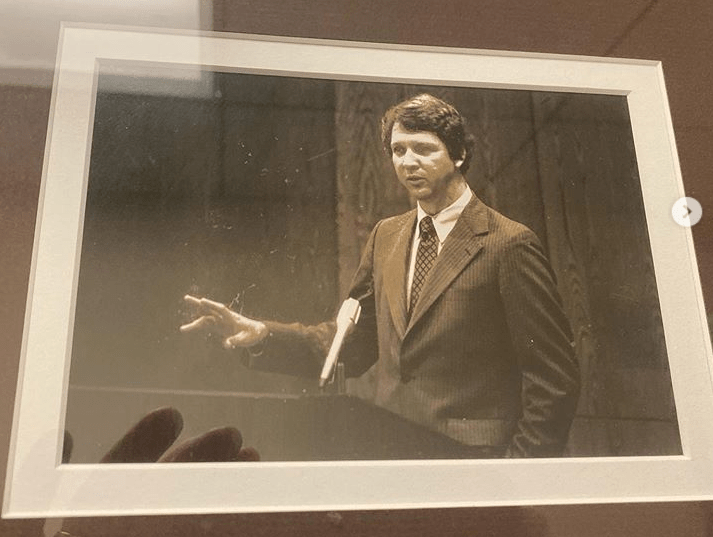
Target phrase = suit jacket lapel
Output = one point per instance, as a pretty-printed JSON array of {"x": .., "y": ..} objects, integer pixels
[
  {"x": 461, "y": 245},
  {"x": 395, "y": 270}
]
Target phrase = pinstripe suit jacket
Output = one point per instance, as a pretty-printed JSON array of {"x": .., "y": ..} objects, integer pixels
[{"x": 485, "y": 357}]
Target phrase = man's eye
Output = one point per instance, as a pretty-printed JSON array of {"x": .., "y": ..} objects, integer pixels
[
  {"x": 398, "y": 150},
  {"x": 424, "y": 149}
]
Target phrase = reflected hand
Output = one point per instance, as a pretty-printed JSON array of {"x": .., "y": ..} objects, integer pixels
[
  {"x": 235, "y": 329},
  {"x": 147, "y": 441}
]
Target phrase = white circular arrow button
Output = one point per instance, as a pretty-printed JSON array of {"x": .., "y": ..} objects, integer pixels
[{"x": 687, "y": 212}]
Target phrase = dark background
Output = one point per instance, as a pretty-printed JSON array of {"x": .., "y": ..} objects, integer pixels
[{"x": 674, "y": 32}]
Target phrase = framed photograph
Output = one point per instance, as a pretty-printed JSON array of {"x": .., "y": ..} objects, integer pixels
[{"x": 251, "y": 171}]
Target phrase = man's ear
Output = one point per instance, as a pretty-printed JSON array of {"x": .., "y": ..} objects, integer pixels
[{"x": 458, "y": 163}]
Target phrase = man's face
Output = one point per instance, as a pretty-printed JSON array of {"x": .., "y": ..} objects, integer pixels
[{"x": 423, "y": 166}]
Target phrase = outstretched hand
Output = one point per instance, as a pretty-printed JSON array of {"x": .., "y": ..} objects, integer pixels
[{"x": 235, "y": 329}]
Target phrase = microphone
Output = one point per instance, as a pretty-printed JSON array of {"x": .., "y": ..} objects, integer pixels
[{"x": 347, "y": 318}]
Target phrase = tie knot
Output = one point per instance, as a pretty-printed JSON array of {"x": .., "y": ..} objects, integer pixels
[{"x": 428, "y": 232}]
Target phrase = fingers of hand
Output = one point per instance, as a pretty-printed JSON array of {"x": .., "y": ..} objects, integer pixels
[
  {"x": 215, "y": 307},
  {"x": 201, "y": 323},
  {"x": 220, "y": 319},
  {"x": 250, "y": 333},
  {"x": 193, "y": 301},
  {"x": 241, "y": 339},
  {"x": 208, "y": 307}
]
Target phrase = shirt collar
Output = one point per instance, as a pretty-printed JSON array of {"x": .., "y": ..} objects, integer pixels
[{"x": 445, "y": 220}]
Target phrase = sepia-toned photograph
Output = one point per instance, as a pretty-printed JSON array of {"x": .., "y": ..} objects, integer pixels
[
  {"x": 539, "y": 331},
  {"x": 281, "y": 272}
]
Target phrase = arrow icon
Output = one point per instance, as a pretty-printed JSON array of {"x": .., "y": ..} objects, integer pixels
[{"x": 687, "y": 212}]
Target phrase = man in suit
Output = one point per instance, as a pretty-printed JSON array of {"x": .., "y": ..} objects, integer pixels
[{"x": 461, "y": 325}]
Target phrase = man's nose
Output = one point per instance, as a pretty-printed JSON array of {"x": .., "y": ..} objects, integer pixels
[{"x": 410, "y": 159}]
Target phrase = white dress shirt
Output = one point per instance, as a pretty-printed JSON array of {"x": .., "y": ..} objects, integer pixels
[{"x": 444, "y": 222}]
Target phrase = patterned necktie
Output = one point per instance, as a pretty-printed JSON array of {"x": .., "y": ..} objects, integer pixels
[{"x": 425, "y": 256}]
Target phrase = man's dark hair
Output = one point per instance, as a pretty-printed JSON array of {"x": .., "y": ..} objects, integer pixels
[{"x": 425, "y": 112}]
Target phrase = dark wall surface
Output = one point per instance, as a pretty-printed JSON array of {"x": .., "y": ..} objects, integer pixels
[{"x": 216, "y": 195}]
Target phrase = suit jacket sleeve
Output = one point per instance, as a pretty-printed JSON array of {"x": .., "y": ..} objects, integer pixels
[
  {"x": 542, "y": 340},
  {"x": 298, "y": 349}
]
